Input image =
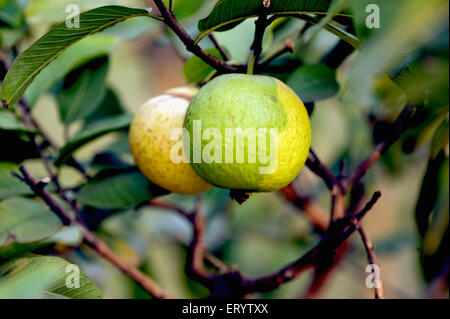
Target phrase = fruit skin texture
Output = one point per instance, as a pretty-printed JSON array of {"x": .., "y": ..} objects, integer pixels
[
  {"x": 150, "y": 142},
  {"x": 251, "y": 101}
]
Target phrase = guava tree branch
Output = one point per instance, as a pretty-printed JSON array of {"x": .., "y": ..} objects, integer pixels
[
  {"x": 233, "y": 284},
  {"x": 371, "y": 257},
  {"x": 315, "y": 213},
  {"x": 195, "y": 268},
  {"x": 171, "y": 21},
  {"x": 219, "y": 47},
  {"x": 315, "y": 165},
  {"x": 401, "y": 124},
  {"x": 335, "y": 238},
  {"x": 89, "y": 238}
]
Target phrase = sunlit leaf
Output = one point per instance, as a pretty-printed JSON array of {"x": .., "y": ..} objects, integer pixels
[
  {"x": 10, "y": 185},
  {"x": 25, "y": 220},
  {"x": 45, "y": 277},
  {"x": 50, "y": 46}
]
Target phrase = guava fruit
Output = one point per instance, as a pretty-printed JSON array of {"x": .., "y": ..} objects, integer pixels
[
  {"x": 247, "y": 132},
  {"x": 152, "y": 142}
]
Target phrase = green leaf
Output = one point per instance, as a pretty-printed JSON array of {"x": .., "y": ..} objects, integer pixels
[
  {"x": 43, "y": 276},
  {"x": 83, "y": 90},
  {"x": 25, "y": 220},
  {"x": 51, "y": 45},
  {"x": 52, "y": 12},
  {"x": 93, "y": 131},
  {"x": 335, "y": 8},
  {"x": 109, "y": 106},
  {"x": 10, "y": 13},
  {"x": 313, "y": 82},
  {"x": 227, "y": 13},
  {"x": 195, "y": 70},
  {"x": 10, "y": 185},
  {"x": 440, "y": 139},
  {"x": 118, "y": 189},
  {"x": 185, "y": 8},
  {"x": 74, "y": 57}
]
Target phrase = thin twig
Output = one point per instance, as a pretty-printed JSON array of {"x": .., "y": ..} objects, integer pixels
[
  {"x": 315, "y": 165},
  {"x": 314, "y": 212},
  {"x": 325, "y": 248},
  {"x": 172, "y": 23},
  {"x": 219, "y": 47},
  {"x": 371, "y": 257},
  {"x": 401, "y": 124}
]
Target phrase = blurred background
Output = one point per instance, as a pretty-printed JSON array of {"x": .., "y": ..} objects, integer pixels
[{"x": 142, "y": 59}]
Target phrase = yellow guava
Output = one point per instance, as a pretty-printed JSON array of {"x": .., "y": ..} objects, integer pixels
[{"x": 152, "y": 143}]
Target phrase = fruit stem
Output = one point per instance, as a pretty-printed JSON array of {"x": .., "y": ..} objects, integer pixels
[{"x": 256, "y": 48}]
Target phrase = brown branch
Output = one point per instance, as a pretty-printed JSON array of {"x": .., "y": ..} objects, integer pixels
[
  {"x": 400, "y": 125},
  {"x": 323, "y": 272},
  {"x": 195, "y": 268},
  {"x": 337, "y": 204},
  {"x": 219, "y": 47},
  {"x": 315, "y": 165},
  {"x": 256, "y": 49},
  {"x": 90, "y": 238},
  {"x": 32, "y": 125},
  {"x": 313, "y": 211},
  {"x": 172, "y": 23},
  {"x": 370, "y": 250},
  {"x": 344, "y": 228},
  {"x": 234, "y": 285}
]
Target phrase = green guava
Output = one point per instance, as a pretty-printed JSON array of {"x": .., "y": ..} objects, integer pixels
[{"x": 247, "y": 132}]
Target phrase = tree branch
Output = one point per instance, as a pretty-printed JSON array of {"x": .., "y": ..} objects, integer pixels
[
  {"x": 401, "y": 124},
  {"x": 313, "y": 211},
  {"x": 218, "y": 47},
  {"x": 172, "y": 23},
  {"x": 316, "y": 166},
  {"x": 344, "y": 228},
  {"x": 90, "y": 239},
  {"x": 371, "y": 257},
  {"x": 256, "y": 49}
]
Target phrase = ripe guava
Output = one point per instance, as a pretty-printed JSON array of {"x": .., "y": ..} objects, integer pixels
[
  {"x": 247, "y": 132},
  {"x": 151, "y": 142}
]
